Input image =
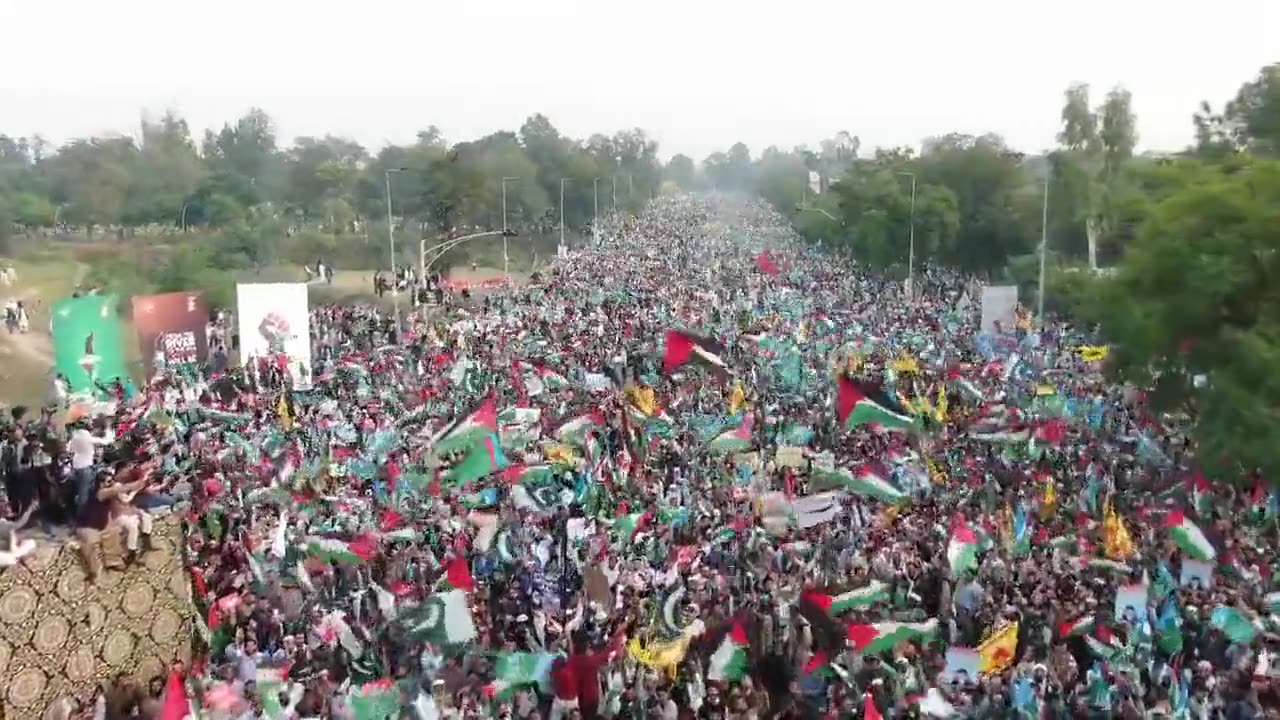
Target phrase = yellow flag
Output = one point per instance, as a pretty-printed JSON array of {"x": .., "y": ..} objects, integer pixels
[
  {"x": 1117, "y": 544},
  {"x": 905, "y": 364},
  {"x": 282, "y": 409},
  {"x": 737, "y": 399},
  {"x": 998, "y": 649},
  {"x": 941, "y": 406},
  {"x": 1049, "y": 504},
  {"x": 663, "y": 656},
  {"x": 643, "y": 398},
  {"x": 1093, "y": 353}
]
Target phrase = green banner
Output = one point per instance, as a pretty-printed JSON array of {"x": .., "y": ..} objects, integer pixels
[{"x": 86, "y": 341}]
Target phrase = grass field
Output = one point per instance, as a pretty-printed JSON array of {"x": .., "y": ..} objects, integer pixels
[{"x": 51, "y": 272}]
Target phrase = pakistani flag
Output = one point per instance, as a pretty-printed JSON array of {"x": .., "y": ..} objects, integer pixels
[
  {"x": 734, "y": 441},
  {"x": 483, "y": 459},
  {"x": 865, "y": 481},
  {"x": 513, "y": 670},
  {"x": 855, "y": 406},
  {"x": 1189, "y": 537},
  {"x": 729, "y": 661},
  {"x": 443, "y": 618},
  {"x": 877, "y": 638},
  {"x": 866, "y": 596},
  {"x": 962, "y": 551}
]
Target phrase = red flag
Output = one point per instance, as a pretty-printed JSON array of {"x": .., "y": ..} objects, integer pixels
[
  {"x": 869, "y": 709},
  {"x": 459, "y": 575},
  {"x": 766, "y": 264},
  {"x": 174, "y": 705}
]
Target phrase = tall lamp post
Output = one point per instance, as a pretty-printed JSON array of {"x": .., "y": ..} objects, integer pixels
[
  {"x": 911, "y": 242},
  {"x": 562, "y": 182},
  {"x": 1044, "y": 244},
  {"x": 391, "y": 242},
  {"x": 595, "y": 203},
  {"x": 506, "y": 260}
]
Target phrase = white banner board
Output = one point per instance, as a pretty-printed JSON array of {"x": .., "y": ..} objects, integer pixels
[
  {"x": 275, "y": 322},
  {"x": 998, "y": 305}
]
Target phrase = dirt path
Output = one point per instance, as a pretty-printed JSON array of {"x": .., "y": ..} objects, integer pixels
[{"x": 37, "y": 345}]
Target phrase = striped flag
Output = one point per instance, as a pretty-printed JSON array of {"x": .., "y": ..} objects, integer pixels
[
  {"x": 856, "y": 406},
  {"x": 738, "y": 439},
  {"x": 866, "y": 481},
  {"x": 684, "y": 347},
  {"x": 729, "y": 661},
  {"x": 962, "y": 551},
  {"x": 865, "y": 596},
  {"x": 1188, "y": 536}
]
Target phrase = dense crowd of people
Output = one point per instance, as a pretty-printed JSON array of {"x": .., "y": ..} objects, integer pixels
[{"x": 697, "y": 470}]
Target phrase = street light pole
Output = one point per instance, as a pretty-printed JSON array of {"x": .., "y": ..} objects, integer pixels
[
  {"x": 615, "y": 193},
  {"x": 595, "y": 203},
  {"x": 391, "y": 242},
  {"x": 506, "y": 260},
  {"x": 562, "y": 180},
  {"x": 1044, "y": 244},
  {"x": 911, "y": 246}
]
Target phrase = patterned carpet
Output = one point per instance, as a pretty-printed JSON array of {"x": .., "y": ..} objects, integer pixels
[{"x": 61, "y": 637}]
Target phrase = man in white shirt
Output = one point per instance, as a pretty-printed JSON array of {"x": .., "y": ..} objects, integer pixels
[{"x": 83, "y": 447}]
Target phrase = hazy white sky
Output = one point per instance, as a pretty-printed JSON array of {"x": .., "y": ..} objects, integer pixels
[{"x": 697, "y": 74}]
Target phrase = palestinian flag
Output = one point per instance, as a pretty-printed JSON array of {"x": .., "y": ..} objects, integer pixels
[
  {"x": 737, "y": 440},
  {"x": 1076, "y": 628},
  {"x": 483, "y": 459},
  {"x": 516, "y": 474},
  {"x": 550, "y": 379},
  {"x": 866, "y": 481},
  {"x": 856, "y": 406},
  {"x": 575, "y": 431},
  {"x": 626, "y": 526},
  {"x": 729, "y": 661},
  {"x": 877, "y": 638},
  {"x": 682, "y": 347},
  {"x": 443, "y": 619},
  {"x": 377, "y": 700},
  {"x": 1272, "y": 603},
  {"x": 268, "y": 683},
  {"x": 514, "y": 670},
  {"x": 1189, "y": 537},
  {"x": 962, "y": 551},
  {"x": 468, "y": 431},
  {"x": 862, "y": 597},
  {"x": 356, "y": 551}
]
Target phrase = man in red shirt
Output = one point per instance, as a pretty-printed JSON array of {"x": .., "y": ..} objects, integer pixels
[{"x": 576, "y": 681}]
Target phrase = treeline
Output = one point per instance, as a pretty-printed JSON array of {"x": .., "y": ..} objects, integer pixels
[
  {"x": 244, "y": 182},
  {"x": 1190, "y": 243},
  {"x": 979, "y": 204}
]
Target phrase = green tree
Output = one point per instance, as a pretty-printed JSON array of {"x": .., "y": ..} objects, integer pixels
[
  {"x": 1196, "y": 297},
  {"x": 681, "y": 171}
]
